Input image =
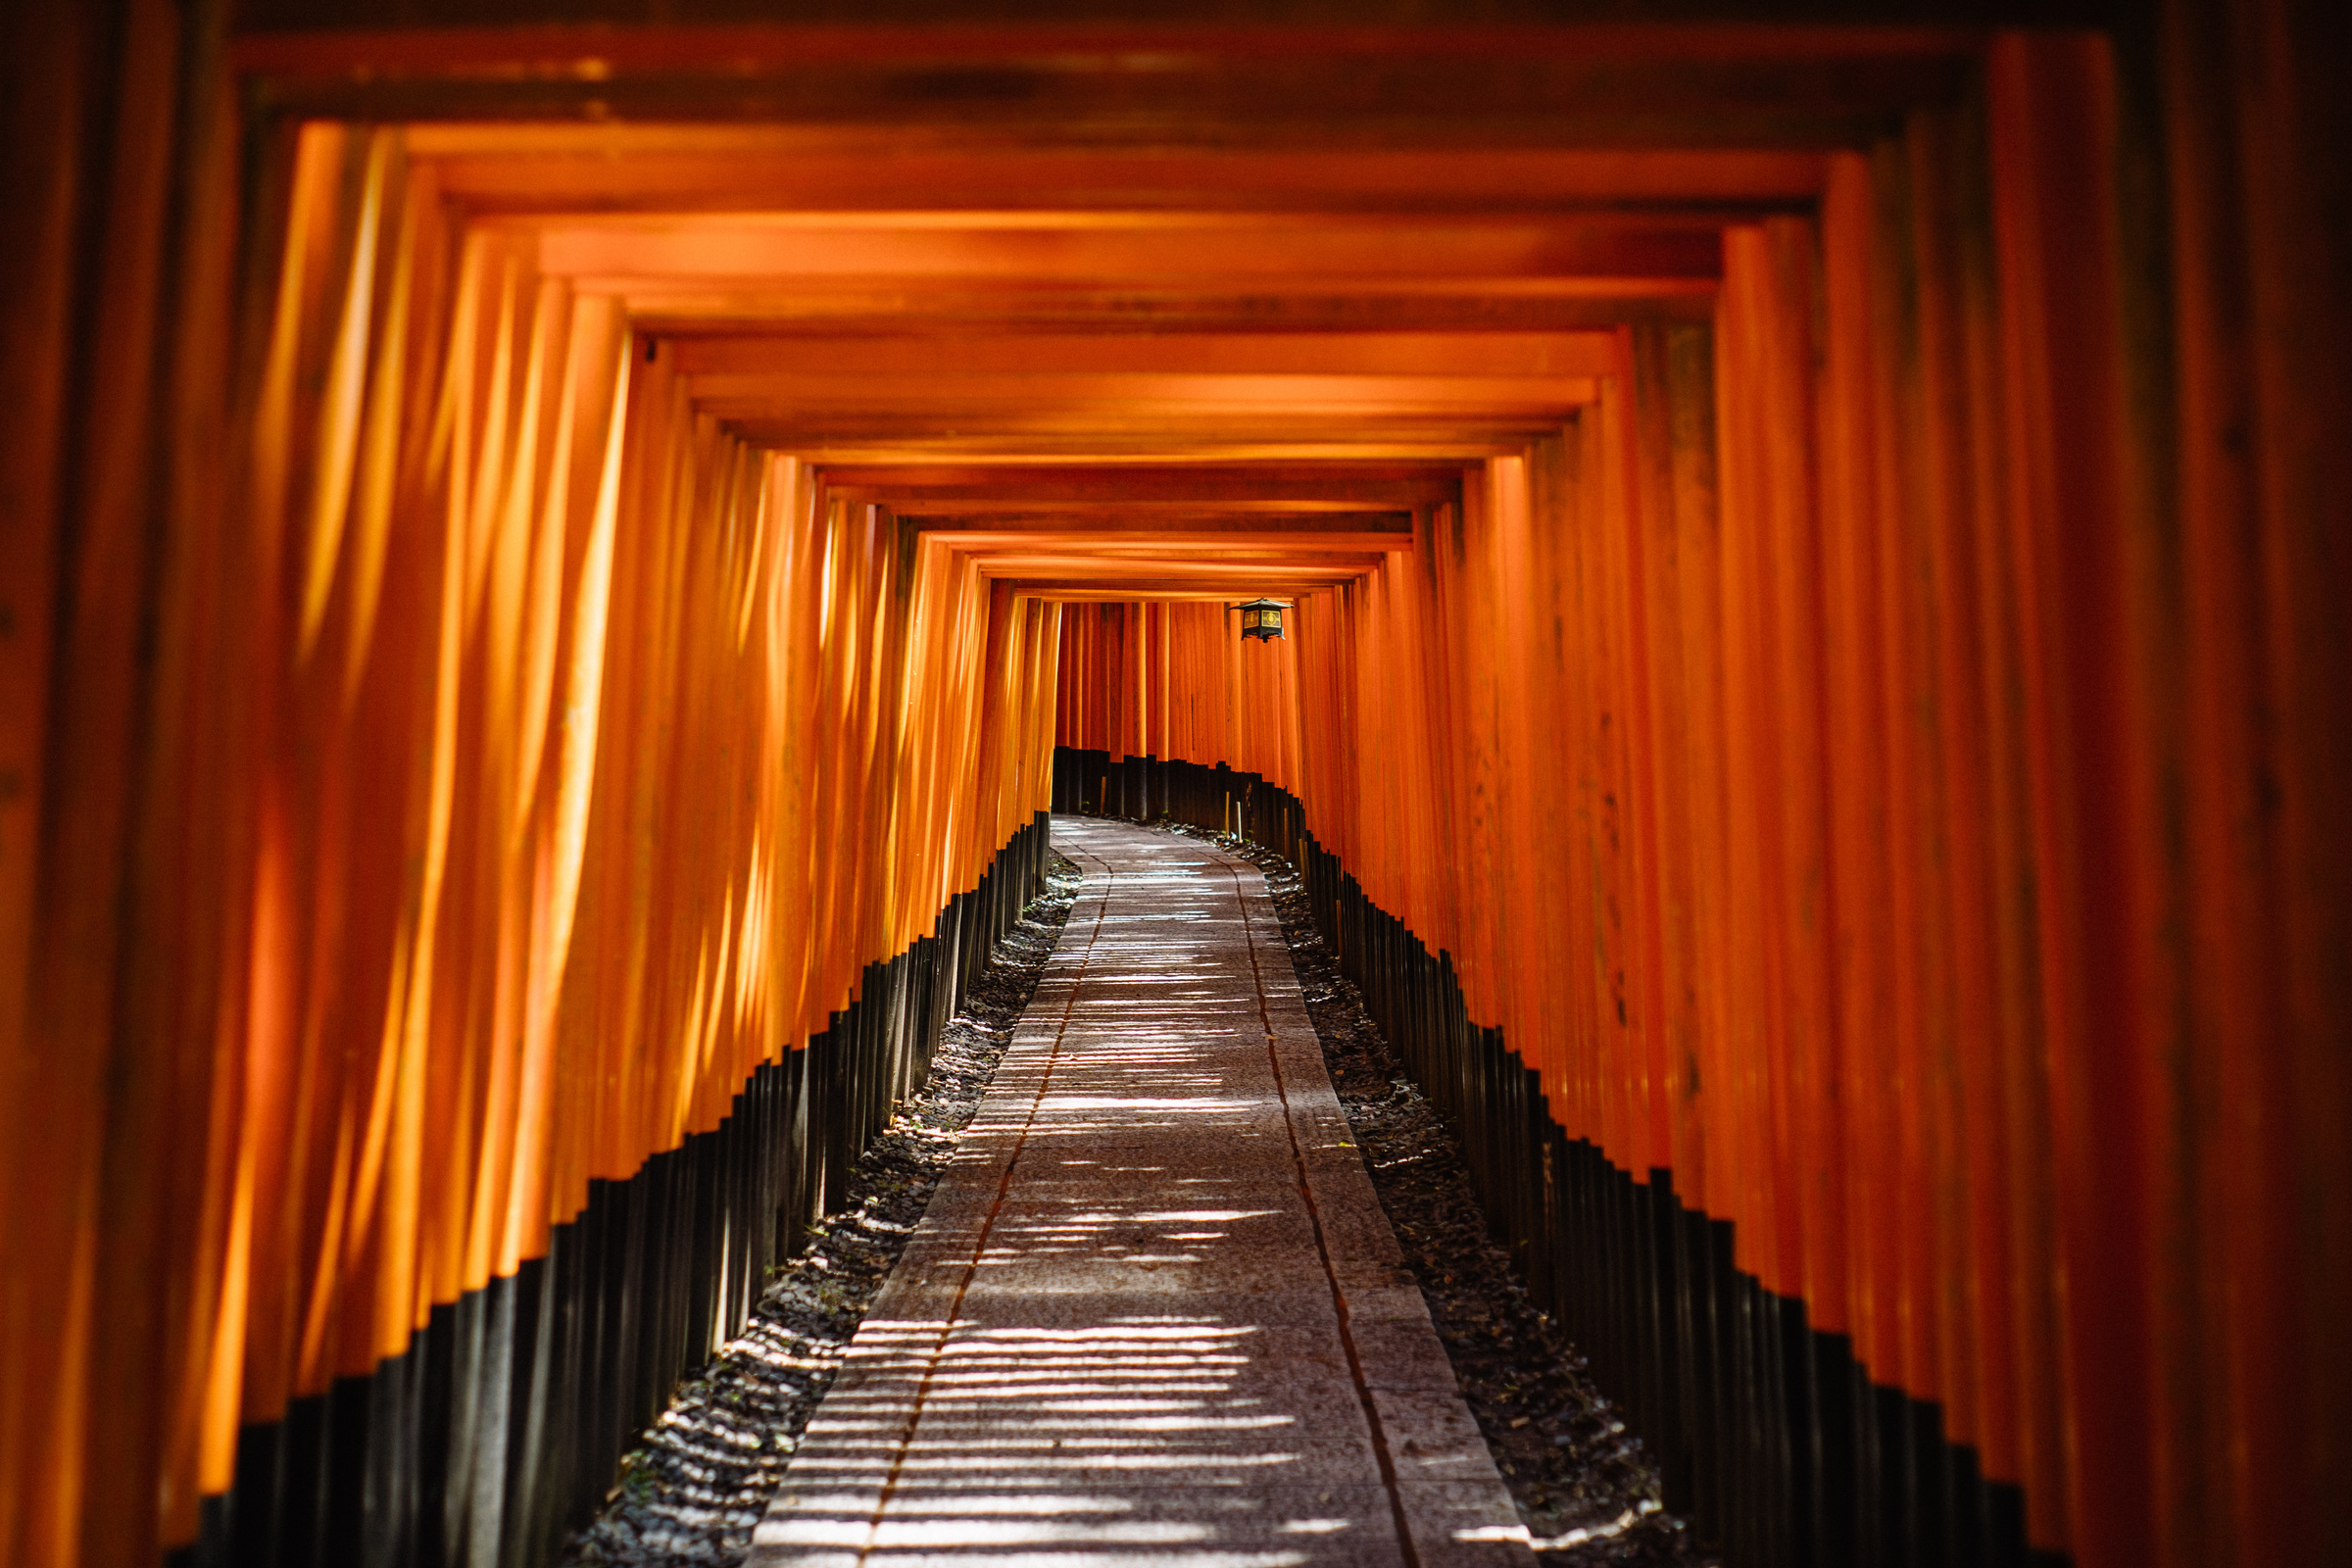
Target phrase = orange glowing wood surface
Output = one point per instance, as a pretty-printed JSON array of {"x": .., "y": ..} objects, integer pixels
[{"x": 1821, "y": 595}]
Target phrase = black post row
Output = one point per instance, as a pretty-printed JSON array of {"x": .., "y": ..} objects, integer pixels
[
  {"x": 496, "y": 1434},
  {"x": 1769, "y": 1434}
]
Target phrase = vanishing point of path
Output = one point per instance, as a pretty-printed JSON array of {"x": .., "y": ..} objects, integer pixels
[{"x": 1155, "y": 1314}]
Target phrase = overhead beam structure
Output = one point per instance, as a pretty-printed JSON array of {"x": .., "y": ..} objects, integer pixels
[{"x": 551, "y": 570}]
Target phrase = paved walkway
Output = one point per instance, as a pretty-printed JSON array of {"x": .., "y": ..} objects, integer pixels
[{"x": 1154, "y": 1315}]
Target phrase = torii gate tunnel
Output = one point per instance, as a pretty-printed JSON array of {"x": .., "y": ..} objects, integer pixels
[{"x": 554, "y": 559}]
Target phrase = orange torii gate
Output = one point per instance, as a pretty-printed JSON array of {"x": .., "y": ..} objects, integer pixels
[{"x": 546, "y": 566}]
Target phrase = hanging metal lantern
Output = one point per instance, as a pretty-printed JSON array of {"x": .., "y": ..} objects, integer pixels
[{"x": 1261, "y": 619}]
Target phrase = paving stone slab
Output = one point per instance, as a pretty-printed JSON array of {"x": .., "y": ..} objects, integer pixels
[{"x": 1153, "y": 1314}]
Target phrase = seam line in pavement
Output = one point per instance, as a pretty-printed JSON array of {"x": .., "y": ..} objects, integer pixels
[
  {"x": 988, "y": 1225},
  {"x": 1314, "y": 1216}
]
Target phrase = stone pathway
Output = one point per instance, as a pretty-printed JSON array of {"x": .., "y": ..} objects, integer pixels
[{"x": 1153, "y": 1314}]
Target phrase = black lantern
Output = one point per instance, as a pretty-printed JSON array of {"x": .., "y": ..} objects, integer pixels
[{"x": 1261, "y": 619}]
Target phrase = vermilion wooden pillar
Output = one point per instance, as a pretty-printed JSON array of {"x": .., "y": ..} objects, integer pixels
[{"x": 1826, "y": 630}]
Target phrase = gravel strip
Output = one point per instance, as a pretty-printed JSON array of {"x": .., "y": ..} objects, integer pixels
[
  {"x": 697, "y": 1485},
  {"x": 700, "y": 1483},
  {"x": 1587, "y": 1492}
]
